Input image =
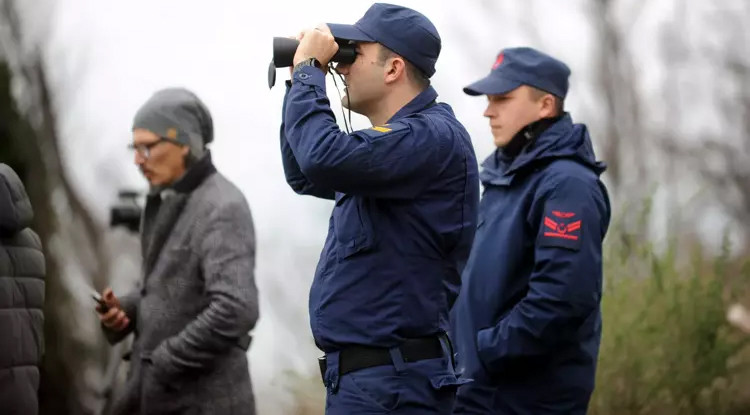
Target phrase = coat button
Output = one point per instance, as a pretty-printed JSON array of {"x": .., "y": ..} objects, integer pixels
[{"x": 303, "y": 76}]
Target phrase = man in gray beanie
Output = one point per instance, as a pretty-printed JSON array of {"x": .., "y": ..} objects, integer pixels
[
  {"x": 176, "y": 116},
  {"x": 198, "y": 299}
]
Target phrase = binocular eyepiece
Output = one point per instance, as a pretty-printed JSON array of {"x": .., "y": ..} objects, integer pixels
[{"x": 284, "y": 49}]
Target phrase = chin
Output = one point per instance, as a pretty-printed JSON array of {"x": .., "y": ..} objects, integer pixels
[
  {"x": 155, "y": 182},
  {"x": 353, "y": 107},
  {"x": 346, "y": 103},
  {"x": 501, "y": 142}
]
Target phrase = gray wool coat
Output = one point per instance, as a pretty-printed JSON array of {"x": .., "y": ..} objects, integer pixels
[{"x": 197, "y": 300}]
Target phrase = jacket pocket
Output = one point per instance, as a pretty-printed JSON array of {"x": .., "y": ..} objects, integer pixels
[
  {"x": 374, "y": 393},
  {"x": 485, "y": 351},
  {"x": 353, "y": 225},
  {"x": 159, "y": 395},
  {"x": 441, "y": 379}
]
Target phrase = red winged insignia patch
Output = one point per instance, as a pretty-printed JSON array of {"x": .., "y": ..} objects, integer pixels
[
  {"x": 561, "y": 228},
  {"x": 563, "y": 215}
]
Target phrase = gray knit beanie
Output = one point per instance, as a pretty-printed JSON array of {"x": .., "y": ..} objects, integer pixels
[{"x": 178, "y": 114}]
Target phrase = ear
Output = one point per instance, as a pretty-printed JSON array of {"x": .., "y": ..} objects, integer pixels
[
  {"x": 547, "y": 106},
  {"x": 394, "y": 68},
  {"x": 185, "y": 150}
]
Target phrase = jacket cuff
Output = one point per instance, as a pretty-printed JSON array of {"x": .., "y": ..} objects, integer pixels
[
  {"x": 129, "y": 305},
  {"x": 484, "y": 349},
  {"x": 310, "y": 75}
]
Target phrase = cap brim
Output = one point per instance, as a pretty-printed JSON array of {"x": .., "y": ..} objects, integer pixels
[
  {"x": 491, "y": 85},
  {"x": 348, "y": 32}
]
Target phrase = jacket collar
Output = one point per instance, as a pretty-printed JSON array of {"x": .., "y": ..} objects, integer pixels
[
  {"x": 562, "y": 139},
  {"x": 425, "y": 99}
]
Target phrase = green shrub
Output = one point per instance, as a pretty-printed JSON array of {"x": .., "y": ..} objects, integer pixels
[{"x": 666, "y": 345}]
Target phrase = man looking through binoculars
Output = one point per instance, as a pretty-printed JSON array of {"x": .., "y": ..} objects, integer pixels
[{"x": 406, "y": 193}]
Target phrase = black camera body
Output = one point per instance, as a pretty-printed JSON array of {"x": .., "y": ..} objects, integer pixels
[
  {"x": 284, "y": 49},
  {"x": 126, "y": 212}
]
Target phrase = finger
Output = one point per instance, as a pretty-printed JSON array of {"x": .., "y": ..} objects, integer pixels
[
  {"x": 109, "y": 297},
  {"x": 108, "y": 322},
  {"x": 118, "y": 320},
  {"x": 110, "y": 317},
  {"x": 117, "y": 325},
  {"x": 110, "y": 314},
  {"x": 323, "y": 28},
  {"x": 122, "y": 324}
]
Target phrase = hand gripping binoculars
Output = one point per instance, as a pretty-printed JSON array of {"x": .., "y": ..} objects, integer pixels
[{"x": 284, "y": 49}]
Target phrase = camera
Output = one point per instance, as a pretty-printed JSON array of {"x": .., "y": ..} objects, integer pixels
[
  {"x": 284, "y": 49},
  {"x": 126, "y": 212}
]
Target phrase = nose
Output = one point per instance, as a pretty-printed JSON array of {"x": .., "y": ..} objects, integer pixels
[
  {"x": 343, "y": 69},
  {"x": 488, "y": 111},
  {"x": 139, "y": 158}
]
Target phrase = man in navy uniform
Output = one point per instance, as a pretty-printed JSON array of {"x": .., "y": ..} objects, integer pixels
[
  {"x": 406, "y": 195},
  {"x": 528, "y": 319}
]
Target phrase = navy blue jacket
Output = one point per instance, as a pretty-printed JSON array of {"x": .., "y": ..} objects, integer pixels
[
  {"x": 527, "y": 322},
  {"x": 406, "y": 194}
]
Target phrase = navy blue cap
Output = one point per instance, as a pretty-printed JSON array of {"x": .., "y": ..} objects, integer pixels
[
  {"x": 402, "y": 30},
  {"x": 523, "y": 66}
]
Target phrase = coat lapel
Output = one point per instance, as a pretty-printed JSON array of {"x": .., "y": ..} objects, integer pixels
[
  {"x": 158, "y": 228},
  {"x": 164, "y": 208}
]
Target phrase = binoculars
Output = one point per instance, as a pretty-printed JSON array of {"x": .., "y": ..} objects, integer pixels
[{"x": 284, "y": 49}]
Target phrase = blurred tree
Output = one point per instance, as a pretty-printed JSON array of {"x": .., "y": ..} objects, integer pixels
[
  {"x": 623, "y": 138},
  {"x": 29, "y": 142},
  {"x": 720, "y": 155}
]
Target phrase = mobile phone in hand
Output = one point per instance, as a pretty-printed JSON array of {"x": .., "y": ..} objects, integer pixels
[{"x": 103, "y": 307}]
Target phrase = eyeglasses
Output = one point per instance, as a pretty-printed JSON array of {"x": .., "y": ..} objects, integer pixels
[{"x": 144, "y": 150}]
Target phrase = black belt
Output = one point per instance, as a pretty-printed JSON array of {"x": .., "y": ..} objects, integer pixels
[{"x": 362, "y": 357}]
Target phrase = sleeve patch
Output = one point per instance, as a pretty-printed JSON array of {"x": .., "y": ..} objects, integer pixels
[{"x": 561, "y": 228}]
